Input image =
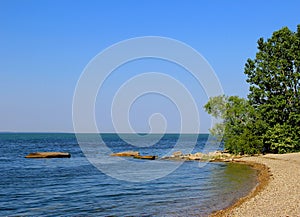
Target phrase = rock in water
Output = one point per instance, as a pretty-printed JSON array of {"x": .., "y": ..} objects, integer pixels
[
  {"x": 49, "y": 155},
  {"x": 145, "y": 157},
  {"x": 177, "y": 154},
  {"x": 126, "y": 154}
]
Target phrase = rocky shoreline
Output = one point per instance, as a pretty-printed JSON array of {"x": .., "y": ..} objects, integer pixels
[
  {"x": 217, "y": 156},
  {"x": 278, "y": 189}
]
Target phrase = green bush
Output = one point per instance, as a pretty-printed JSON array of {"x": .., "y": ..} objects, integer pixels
[{"x": 281, "y": 139}]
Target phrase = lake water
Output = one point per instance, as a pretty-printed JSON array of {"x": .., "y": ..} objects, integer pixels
[{"x": 74, "y": 187}]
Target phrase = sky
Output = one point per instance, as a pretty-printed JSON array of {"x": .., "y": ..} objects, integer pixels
[{"x": 46, "y": 45}]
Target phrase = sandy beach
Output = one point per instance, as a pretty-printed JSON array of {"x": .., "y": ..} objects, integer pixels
[{"x": 278, "y": 192}]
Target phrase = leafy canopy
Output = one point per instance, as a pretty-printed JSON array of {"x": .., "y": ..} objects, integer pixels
[{"x": 270, "y": 119}]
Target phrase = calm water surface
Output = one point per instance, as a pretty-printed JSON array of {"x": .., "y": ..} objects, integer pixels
[{"x": 72, "y": 186}]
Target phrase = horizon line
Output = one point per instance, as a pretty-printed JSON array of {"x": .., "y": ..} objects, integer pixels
[{"x": 2, "y": 132}]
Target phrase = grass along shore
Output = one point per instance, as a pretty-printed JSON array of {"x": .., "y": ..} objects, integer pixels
[{"x": 278, "y": 191}]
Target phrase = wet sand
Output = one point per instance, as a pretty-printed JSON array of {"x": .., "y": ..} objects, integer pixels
[{"x": 278, "y": 191}]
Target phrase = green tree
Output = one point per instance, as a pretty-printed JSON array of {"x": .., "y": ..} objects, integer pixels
[
  {"x": 270, "y": 119},
  {"x": 240, "y": 127},
  {"x": 274, "y": 78},
  {"x": 281, "y": 139}
]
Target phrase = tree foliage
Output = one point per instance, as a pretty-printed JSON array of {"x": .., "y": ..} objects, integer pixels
[
  {"x": 282, "y": 138},
  {"x": 274, "y": 77},
  {"x": 240, "y": 127},
  {"x": 270, "y": 118}
]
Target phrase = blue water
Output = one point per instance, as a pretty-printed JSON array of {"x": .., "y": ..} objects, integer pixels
[{"x": 74, "y": 187}]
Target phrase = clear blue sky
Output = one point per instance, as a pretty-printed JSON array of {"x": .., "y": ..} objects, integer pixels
[{"x": 45, "y": 45}]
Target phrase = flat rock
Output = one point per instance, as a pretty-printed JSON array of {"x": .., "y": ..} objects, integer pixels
[
  {"x": 145, "y": 157},
  {"x": 49, "y": 155},
  {"x": 126, "y": 154},
  {"x": 177, "y": 154}
]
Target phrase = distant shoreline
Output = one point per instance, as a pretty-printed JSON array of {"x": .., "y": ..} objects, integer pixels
[{"x": 278, "y": 189}]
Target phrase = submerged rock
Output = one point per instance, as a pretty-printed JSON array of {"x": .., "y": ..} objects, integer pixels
[
  {"x": 126, "y": 154},
  {"x": 49, "y": 155}
]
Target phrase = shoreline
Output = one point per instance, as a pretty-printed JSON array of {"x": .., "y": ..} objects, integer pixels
[{"x": 277, "y": 192}]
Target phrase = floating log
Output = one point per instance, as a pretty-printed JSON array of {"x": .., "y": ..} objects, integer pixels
[{"x": 49, "y": 155}]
